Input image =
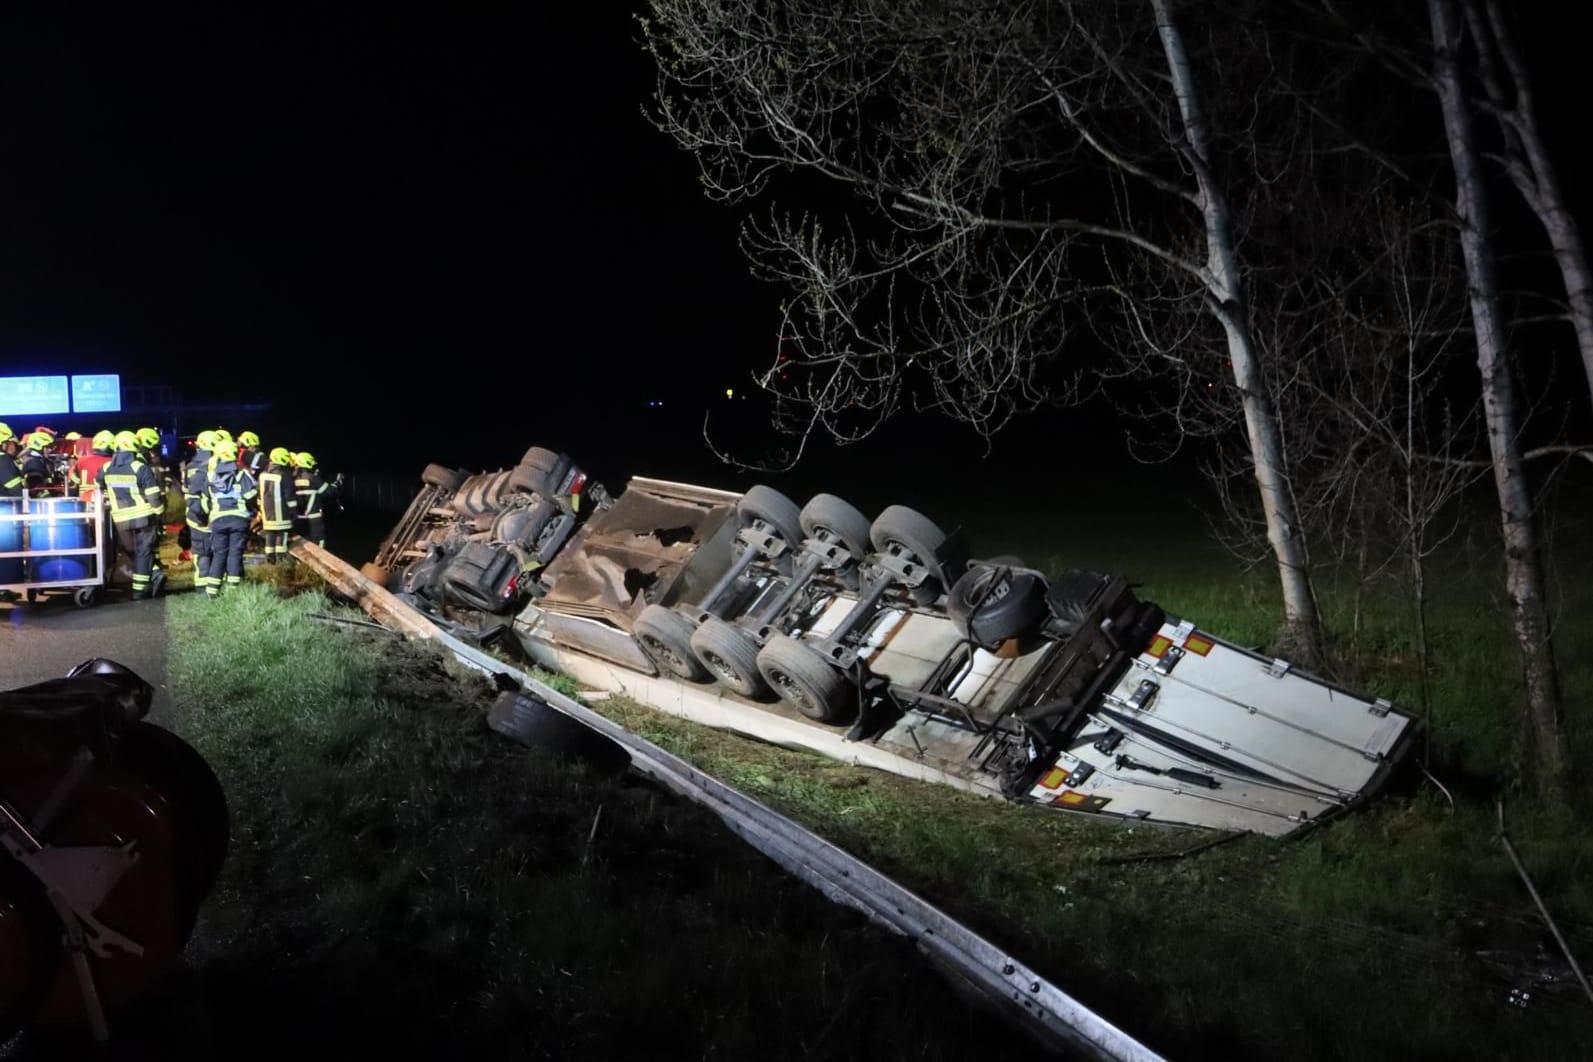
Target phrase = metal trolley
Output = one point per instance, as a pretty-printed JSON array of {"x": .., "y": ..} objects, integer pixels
[{"x": 51, "y": 542}]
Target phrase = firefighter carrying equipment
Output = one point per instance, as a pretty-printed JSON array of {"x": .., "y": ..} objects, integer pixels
[{"x": 230, "y": 490}]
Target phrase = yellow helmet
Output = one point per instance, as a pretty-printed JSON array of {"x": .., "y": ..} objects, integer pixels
[
  {"x": 148, "y": 438},
  {"x": 127, "y": 441},
  {"x": 226, "y": 450},
  {"x": 304, "y": 460},
  {"x": 103, "y": 440},
  {"x": 73, "y": 435},
  {"x": 281, "y": 456},
  {"x": 248, "y": 439},
  {"x": 40, "y": 440},
  {"x": 223, "y": 435},
  {"x": 205, "y": 440},
  {"x": 5, "y": 432}
]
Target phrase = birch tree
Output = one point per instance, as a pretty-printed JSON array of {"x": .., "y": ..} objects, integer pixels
[
  {"x": 1523, "y": 565},
  {"x": 1510, "y": 101},
  {"x": 1002, "y": 165}
]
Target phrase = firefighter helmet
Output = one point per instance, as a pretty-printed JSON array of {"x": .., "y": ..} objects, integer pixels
[
  {"x": 73, "y": 435},
  {"x": 226, "y": 450},
  {"x": 148, "y": 438},
  {"x": 40, "y": 439},
  {"x": 304, "y": 460},
  {"x": 223, "y": 435},
  {"x": 127, "y": 441},
  {"x": 281, "y": 456},
  {"x": 205, "y": 440},
  {"x": 5, "y": 432},
  {"x": 103, "y": 440},
  {"x": 248, "y": 439}
]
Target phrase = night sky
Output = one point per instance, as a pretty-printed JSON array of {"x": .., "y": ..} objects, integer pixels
[{"x": 419, "y": 237}]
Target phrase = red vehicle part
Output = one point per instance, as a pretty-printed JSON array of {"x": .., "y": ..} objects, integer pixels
[{"x": 112, "y": 832}]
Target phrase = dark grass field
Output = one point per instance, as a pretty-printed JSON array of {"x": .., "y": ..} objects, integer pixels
[{"x": 404, "y": 883}]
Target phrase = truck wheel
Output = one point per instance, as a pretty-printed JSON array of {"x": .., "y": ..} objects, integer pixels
[
  {"x": 804, "y": 679},
  {"x": 545, "y": 459},
  {"x": 910, "y": 534},
  {"x": 448, "y": 479},
  {"x": 774, "y": 510},
  {"x": 991, "y": 603},
  {"x": 540, "y": 471},
  {"x": 665, "y": 635},
  {"x": 837, "y": 520},
  {"x": 731, "y": 653}
]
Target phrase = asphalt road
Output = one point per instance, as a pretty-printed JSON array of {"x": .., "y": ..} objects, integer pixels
[{"x": 48, "y": 638}]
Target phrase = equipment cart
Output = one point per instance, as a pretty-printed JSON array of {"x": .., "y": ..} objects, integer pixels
[{"x": 48, "y": 543}]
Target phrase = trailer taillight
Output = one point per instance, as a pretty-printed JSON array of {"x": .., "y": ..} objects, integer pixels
[{"x": 511, "y": 586}]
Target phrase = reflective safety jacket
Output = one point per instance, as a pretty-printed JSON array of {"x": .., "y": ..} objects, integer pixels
[
  {"x": 278, "y": 502},
  {"x": 231, "y": 491},
  {"x": 10, "y": 477},
  {"x": 196, "y": 474},
  {"x": 35, "y": 469},
  {"x": 132, "y": 492},
  {"x": 311, "y": 489}
]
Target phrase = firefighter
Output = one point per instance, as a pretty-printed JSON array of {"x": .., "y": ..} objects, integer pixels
[
  {"x": 10, "y": 473},
  {"x": 149, "y": 449},
  {"x": 231, "y": 491},
  {"x": 35, "y": 465},
  {"x": 250, "y": 455},
  {"x": 87, "y": 468},
  {"x": 278, "y": 503},
  {"x": 132, "y": 493},
  {"x": 196, "y": 506},
  {"x": 312, "y": 491}
]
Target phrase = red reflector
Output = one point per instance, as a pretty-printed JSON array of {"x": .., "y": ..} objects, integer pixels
[
  {"x": 580, "y": 481},
  {"x": 1158, "y": 646},
  {"x": 511, "y": 586}
]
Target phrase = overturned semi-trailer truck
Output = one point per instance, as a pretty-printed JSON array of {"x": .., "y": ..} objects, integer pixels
[{"x": 884, "y": 642}]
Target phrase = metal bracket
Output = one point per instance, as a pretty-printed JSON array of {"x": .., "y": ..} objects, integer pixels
[
  {"x": 1080, "y": 774},
  {"x": 1278, "y": 668},
  {"x": 1381, "y": 707},
  {"x": 1140, "y": 700},
  {"x": 1169, "y": 660}
]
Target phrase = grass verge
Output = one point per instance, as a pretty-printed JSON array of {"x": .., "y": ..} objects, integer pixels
[{"x": 404, "y": 881}]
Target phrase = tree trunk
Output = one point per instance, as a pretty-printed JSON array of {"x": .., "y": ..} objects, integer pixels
[
  {"x": 1534, "y": 175},
  {"x": 1523, "y": 572},
  {"x": 1225, "y": 286}
]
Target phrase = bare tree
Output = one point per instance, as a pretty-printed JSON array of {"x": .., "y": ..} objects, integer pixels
[
  {"x": 1511, "y": 103},
  {"x": 1523, "y": 565},
  {"x": 1011, "y": 162}
]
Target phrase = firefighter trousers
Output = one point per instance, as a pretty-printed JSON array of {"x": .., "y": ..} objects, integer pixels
[
  {"x": 314, "y": 529},
  {"x": 199, "y": 546},
  {"x": 276, "y": 544},
  {"x": 139, "y": 543},
  {"x": 227, "y": 537}
]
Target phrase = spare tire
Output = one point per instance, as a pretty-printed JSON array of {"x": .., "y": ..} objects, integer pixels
[
  {"x": 731, "y": 653},
  {"x": 804, "y": 679},
  {"x": 992, "y": 603},
  {"x": 665, "y": 636},
  {"x": 840, "y": 520},
  {"x": 911, "y": 533},
  {"x": 774, "y": 510},
  {"x": 448, "y": 479}
]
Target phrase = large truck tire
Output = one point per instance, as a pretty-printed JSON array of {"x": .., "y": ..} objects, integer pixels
[
  {"x": 840, "y": 520},
  {"x": 731, "y": 654},
  {"x": 992, "y": 603},
  {"x": 774, "y": 510},
  {"x": 540, "y": 471},
  {"x": 665, "y": 636},
  {"x": 805, "y": 680},
  {"x": 449, "y": 479},
  {"x": 911, "y": 533}
]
